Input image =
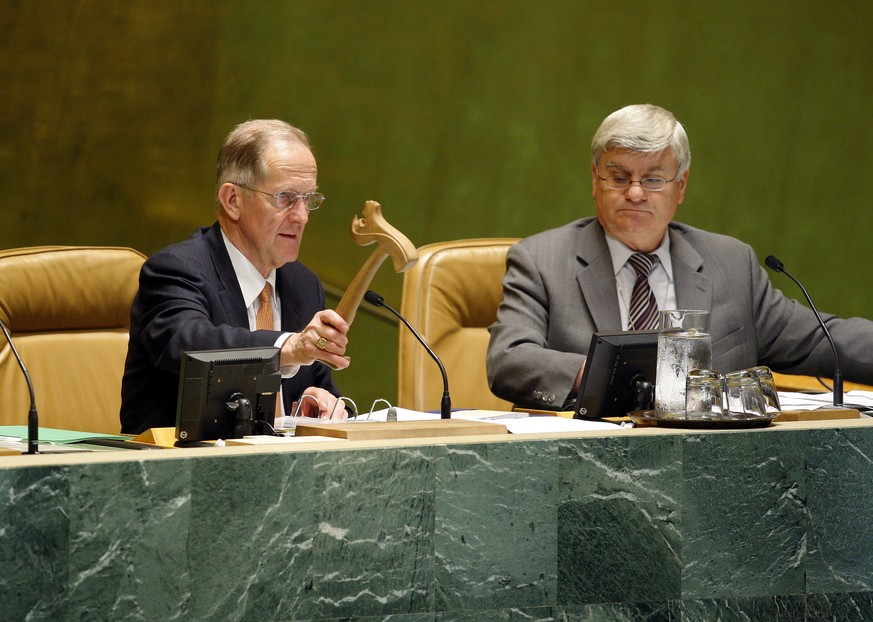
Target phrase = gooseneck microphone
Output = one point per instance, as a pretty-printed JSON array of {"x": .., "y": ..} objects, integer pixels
[
  {"x": 446, "y": 405},
  {"x": 32, "y": 417},
  {"x": 777, "y": 266}
]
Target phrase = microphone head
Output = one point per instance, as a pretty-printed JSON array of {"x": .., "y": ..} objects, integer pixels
[
  {"x": 774, "y": 264},
  {"x": 373, "y": 298}
]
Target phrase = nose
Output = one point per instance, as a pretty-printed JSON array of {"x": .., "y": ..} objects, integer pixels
[
  {"x": 298, "y": 212},
  {"x": 635, "y": 192}
]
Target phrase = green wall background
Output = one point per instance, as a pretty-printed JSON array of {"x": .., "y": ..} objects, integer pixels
[{"x": 462, "y": 118}]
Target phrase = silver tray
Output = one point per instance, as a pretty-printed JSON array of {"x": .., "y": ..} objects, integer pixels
[{"x": 678, "y": 420}]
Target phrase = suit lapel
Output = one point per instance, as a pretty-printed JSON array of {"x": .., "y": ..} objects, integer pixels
[
  {"x": 693, "y": 290},
  {"x": 290, "y": 308},
  {"x": 229, "y": 291},
  {"x": 596, "y": 278}
]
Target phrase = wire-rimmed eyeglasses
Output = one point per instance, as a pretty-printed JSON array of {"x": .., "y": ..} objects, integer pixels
[
  {"x": 288, "y": 199},
  {"x": 653, "y": 183}
]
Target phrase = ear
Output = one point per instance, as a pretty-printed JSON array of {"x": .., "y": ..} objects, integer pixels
[
  {"x": 683, "y": 183},
  {"x": 594, "y": 179},
  {"x": 229, "y": 201}
]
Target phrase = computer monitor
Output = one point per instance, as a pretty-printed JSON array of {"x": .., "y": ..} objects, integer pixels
[
  {"x": 227, "y": 393},
  {"x": 619, "y": 375}
]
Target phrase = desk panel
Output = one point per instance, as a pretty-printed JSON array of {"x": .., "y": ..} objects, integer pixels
[{"x": 643, "y": 524}]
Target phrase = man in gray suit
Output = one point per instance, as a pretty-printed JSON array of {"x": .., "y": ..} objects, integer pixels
[{"x": 563, "y": 285}]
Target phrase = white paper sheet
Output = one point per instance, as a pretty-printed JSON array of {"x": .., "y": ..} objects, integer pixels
[
  {"x": 515, "y": 422},
  {"x": 791, "y": 400}
]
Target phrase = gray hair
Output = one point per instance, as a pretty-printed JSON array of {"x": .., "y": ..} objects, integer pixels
[
  {"x": 644, "y": 128},
  {"x": 241, "y": 160}
]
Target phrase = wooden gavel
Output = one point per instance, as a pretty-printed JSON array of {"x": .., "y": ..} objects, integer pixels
[{"x": 372, "y": 228}]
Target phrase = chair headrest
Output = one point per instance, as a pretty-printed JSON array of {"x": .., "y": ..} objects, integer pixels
[
  {"x": 462, "y": 279},
  {"x": 50, "y": 288}
]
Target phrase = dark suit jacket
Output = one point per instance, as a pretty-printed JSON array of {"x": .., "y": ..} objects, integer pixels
[
  {"x": 189, "y": 299},
  {"x": 559, "y": 289}
]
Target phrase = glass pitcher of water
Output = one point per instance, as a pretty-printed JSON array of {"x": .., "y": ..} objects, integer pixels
[{"x": 684, "y": 343}]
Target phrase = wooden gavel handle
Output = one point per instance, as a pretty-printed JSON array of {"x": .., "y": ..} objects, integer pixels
[{"x": 354, "y": 294}]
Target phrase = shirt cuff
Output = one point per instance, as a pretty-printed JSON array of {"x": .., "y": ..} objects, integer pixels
[{"x": 287, "y": 371}]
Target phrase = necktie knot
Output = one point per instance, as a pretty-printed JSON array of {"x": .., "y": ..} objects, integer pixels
[
  {"x": 643, "y": 263},
  {"x": 266, "y": 293}
]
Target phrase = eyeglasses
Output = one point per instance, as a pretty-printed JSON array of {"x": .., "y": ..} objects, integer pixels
[
  {"x": 623, "y": 182},
  {"x": 288, "y": 199}
]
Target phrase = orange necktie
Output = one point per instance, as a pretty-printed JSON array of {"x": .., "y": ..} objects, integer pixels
[
  {"x": 264, "y": 321},
  {"x": 264, "y": 317}
]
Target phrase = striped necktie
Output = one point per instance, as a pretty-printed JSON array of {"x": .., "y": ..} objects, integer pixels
[
  {"x": 643, "y": 311},
  {"x": 264, "y": 316}
]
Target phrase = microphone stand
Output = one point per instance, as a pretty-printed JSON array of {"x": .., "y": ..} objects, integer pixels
[
  {"x": 774, "y": 264},
  {"x": 446, "y": 404},
  {"x": 32, "y": 417}
]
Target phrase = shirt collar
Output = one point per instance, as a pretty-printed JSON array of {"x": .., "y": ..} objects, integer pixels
[
  {"x": 621, "y": 253},
  {"x": 251, "y": 282}
]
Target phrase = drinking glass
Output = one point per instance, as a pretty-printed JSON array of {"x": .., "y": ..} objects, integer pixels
[
  {"x": 744, "y": 396},
  {"x": 704, "y": 394},
  {"x": 684, "y": 343},
  {"x": 768, "y": 388}
]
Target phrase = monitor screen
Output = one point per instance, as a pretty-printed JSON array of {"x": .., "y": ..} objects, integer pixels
[
  {"x": 227, "y": 393},
  {"x": 616, "y": 363}
]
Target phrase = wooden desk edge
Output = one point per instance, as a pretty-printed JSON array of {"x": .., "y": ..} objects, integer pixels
[{"x": 43, "y": 460}]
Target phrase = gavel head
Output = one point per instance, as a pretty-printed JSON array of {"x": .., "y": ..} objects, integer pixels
[{"x": 373, "y": 228}]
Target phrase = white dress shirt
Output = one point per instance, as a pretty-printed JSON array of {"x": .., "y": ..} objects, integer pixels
[
  {"x": 660, "y": 278},
  {"x": 251, "y": 282}
]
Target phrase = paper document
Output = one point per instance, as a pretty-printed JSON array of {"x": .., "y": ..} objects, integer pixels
[
  {"x": 515, "y": 422},
  {"x": 51, "y": 440},
  {"x": 540, "y": 424},
  {"x": 54, "y": 435},
  {"x": 404, "y": 414},
  {"x": 278, "y": 440},
  {"x": 791, "y": 400}
]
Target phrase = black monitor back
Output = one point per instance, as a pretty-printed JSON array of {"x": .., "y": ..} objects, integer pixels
[
  {"x": 227, "y": 393},
  {"x": 615, "y": 361}
]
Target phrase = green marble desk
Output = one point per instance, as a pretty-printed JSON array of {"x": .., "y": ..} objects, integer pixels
[{"x": 644, "y": 524}]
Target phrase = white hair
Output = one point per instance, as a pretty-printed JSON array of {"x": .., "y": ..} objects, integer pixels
[{"x": 644, "y": 128}]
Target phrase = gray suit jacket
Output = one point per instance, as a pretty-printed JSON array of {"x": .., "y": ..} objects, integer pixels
[{"x": 559, "y": 289}]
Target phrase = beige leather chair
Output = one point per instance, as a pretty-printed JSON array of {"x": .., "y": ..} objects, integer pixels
[
  {"x": 451, "y": 296},
  {"x": 68, "y": 310}
]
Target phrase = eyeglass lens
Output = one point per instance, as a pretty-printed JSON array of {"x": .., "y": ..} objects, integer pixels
[
  {"x": 312, "y": 200},
  {"x": 620, "y": 182}
]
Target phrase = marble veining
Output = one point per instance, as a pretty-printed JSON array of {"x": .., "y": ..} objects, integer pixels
[
  {"x": 495, "y": 526},
  {"x": 744, "y": 508},
  {"x": 752, "y": 526},
  {"x": 619, "y": 519},
  {"x": 840, "y": 467}
]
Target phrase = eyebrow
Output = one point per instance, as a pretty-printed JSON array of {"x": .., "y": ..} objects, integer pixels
[
  {"x": 314, "y": 189},
  {"x": 621, "y": 167}
]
